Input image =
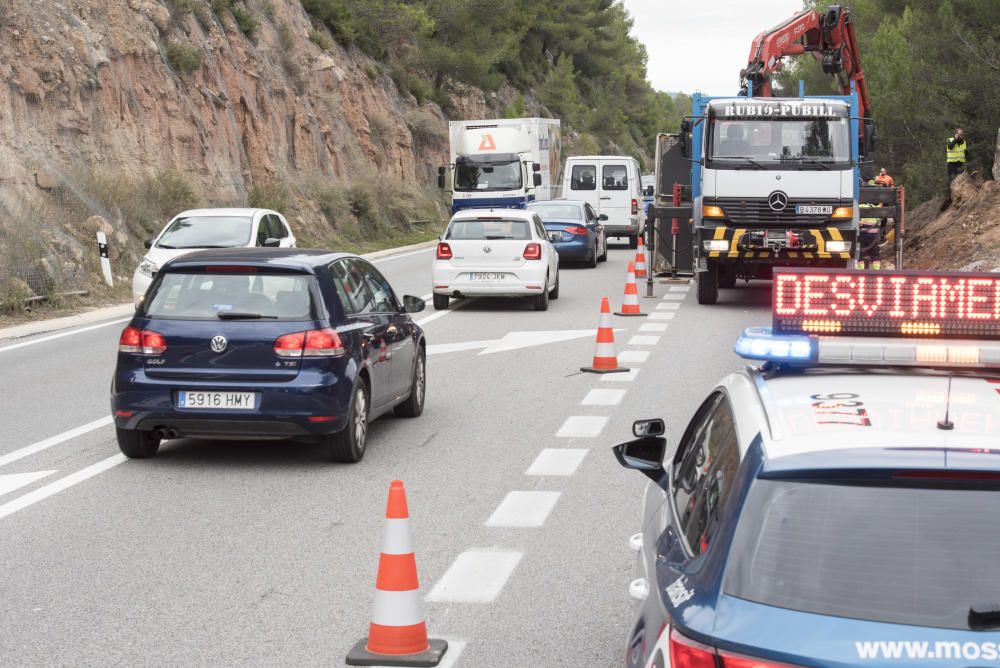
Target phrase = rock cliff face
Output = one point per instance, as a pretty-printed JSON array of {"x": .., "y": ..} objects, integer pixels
[{"x": 90, "y": 83}]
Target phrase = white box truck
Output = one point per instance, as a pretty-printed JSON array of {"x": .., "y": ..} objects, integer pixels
[{"x": 501, "y": 163}]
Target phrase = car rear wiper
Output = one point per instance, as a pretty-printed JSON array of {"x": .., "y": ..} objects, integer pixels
[
  {"x": 984, "y": 616},
  {"x": 239, "y": 315},
  {"x": 493, "y": 238}
]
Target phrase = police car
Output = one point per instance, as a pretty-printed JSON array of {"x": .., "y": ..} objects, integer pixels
[{"x": 838, "y": 504}]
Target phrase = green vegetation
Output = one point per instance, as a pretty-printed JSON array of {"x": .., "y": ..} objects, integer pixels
[
  {"x": 931, "y": 67},
  {"x": 320, "y": 39},
  {"x": 273, "y": 194},
  {"x": 184, "y": 58},
  {"x": 245, "y": 20}
]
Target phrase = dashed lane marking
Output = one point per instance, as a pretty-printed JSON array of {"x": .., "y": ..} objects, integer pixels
[
  {"x": 644, "y": 340},
  {"x": 653, "y": 327},
  {"x": 583, "y": 426},
  {"x": 15, "y": 481},
  {"x": 679, "y": 288},
  {"x": 440, "y": 314},
  {"x": 71, "y": 332},
  {"x": 476, "y": 576},
  {"x": 523, "y": 509},
  {"x": 557, "y": 461},
  {"x": 29, "y": 450},
  {"x": 674, "y": 296},
  {"x": 632, "y": 357},
  {"x": 624, "y": 377},
  {"x": 603, "y": 397},
  {"x": 668, "y": 306},
  {"x": 53, "y": 488},
  {"x": 661, "y": 315}
]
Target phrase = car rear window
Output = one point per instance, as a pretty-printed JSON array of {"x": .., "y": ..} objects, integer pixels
[
  {"x": 198, "y": 296},
  {"x": 557, "y": 211},
  {"x": 887, "y": 554},
  {"x": 207, "y": 232},
  {"x": 479, "y": 230}
]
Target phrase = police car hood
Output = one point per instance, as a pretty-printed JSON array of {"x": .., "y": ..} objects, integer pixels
[{"x": 817, "y": 411}]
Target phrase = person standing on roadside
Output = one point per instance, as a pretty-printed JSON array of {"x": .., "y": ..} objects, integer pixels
[{"x": 958, "y": 154}]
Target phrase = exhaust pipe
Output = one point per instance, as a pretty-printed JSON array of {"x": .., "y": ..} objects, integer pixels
[{"x": 165, "y": 433}]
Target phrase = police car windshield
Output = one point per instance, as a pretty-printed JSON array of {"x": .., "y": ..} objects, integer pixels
[
  {"x": 778, "y": 143},
  {"x": 901, "y": 555}
]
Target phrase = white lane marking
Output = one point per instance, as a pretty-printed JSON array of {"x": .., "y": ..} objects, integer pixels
[
  {"x": 679, "y": 288},
  {"x": 661, "y": 315},
  {"x": 440, "y": 314},
  {"x": 428, "y": 296},
  {"x": 71, "y": 332},
  {"x": 476, "y": 576},
  {"x": 633, "y": 356},
  {"x": 583, "y": 426},
  {"x": 653, "y": 327},
  {"x": 516, "y": 340},
  {"x": 668, "y": 306},
  {"x": 390, "y": 258},
  {"x": 13, "y": 481},
  {"x": 455, "y": 647},
  {"x": 674, "y": 296},
  {"x": 604, "y": 397},
  {"x": 523, "y": 509},
  {"x": 557, "y": 461},
  {"x": 29, "y": 450},
  {"x": 52, "y": 488},
  {"x": 644, "y": 340},
  {"x": 440, "y": 348},
  {"x": 626, "y": 377}
]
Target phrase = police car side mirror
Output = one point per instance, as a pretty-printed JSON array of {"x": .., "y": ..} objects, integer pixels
[
  {"x": 644, "y": 455},
  {"x": 654, "y": 427}
]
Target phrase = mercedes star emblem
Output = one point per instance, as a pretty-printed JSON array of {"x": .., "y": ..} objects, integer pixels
[
  {"x": 777, "y": 201},
  {"x": 219, "y": 343}
]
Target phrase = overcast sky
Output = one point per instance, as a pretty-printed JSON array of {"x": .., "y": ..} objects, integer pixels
[{"x": 702, "y": 45}]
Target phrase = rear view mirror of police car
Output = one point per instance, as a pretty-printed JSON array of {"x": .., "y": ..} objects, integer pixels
[
  {"x": 654, "y": 427},
  {"x": 644, "y": 454}
]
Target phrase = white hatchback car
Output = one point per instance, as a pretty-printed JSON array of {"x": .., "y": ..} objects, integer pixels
[
  {"x": 210, "y": 228},
  {"x": 496, "y": 253}
]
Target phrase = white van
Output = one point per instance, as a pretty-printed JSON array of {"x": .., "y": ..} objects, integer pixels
[{"x": 612, "y": 185}]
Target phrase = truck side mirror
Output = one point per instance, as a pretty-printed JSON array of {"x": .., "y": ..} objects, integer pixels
[
  {"x": 535, "y": 167},
  {"x": 441, "y": 181},
  {"x": 685, "y": 126},
  {"x": 536, "y": 179},
  {"x": 685, "y": 145}
]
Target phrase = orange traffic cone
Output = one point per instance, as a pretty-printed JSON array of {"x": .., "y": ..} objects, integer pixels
[
  {"x": 397, "y": 635},
  {"x": 605, "y": 358},
  {"x": 631, "y": 304},
  {"x": 640, "y": 260}
]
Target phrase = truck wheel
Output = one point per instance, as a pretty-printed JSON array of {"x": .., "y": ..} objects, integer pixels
[
  {"x": 708, "y": 284},
  {"x": 440, "y": 302},
  {"x": 727, "y": 277}
]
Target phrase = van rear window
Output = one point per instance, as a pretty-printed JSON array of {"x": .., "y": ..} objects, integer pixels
[
  {"x": 219, "y": 296},
  {"x": 615, "y": 177},
  {"x": 583, "y": 177}
]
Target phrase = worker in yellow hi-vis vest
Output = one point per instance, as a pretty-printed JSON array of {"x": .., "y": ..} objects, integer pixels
[{"x": 958, "y": 154}]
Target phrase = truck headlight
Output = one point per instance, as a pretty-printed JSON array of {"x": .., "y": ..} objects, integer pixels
[
  {"x": 720, "y": 245},
  {"x": 843, "y": 212},
  {"x": 838, "y": 246},
  {"x": 148, "y": 268}
]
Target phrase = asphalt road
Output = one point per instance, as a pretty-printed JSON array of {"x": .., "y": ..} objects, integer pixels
[{"x": 249, "y": 553}]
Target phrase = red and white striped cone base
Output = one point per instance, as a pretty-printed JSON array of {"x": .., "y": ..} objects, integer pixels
[
  {"x": 640, "y": 260},
  {"x": 605, "y": 358},
  {"x": 630, "y": 306},
  {"x": 397, "y": 635}
]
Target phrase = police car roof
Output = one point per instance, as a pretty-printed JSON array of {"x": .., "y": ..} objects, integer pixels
[{"x": 847, "y": 410}]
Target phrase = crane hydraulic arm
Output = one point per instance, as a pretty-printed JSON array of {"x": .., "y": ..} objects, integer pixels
[{"x": 828, "y": 36}]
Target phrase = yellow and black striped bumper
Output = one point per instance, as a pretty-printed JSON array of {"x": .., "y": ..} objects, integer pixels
[{"x": 821, "y": 235}]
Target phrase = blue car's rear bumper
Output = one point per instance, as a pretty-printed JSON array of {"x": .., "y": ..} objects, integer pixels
[{"x": 578, "y": 250}]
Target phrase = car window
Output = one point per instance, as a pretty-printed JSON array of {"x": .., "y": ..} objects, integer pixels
[
  {"x": 278, "y": 230},
  {"x": 591, "y": 214},
  {"x": 488, "y": 229},
  {"x": 614, "y": 177},
  {"x": 207, "y": 232},
  {"x": 539, "y": 227},
  {"x": 556, "y": 211},
  {"x": 384, "y": 298},
  {"x": 263, "y": 233},
  {"x": 583, "y": 177},
  {"x": 352, "y": 288},
  {"x": 208, "y": 296},
  {"x": 703, "y": 475}
]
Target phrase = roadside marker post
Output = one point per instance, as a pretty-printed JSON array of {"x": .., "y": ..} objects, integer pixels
[{"x": 102, "y": 249}]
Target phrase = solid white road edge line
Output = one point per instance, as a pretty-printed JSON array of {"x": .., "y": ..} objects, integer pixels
[
  {"x": 29, "y": 450},
  {"x": 52, "y": 488},
  {"x": 390, "y": 258},
  {"x": 523, "y": 509},
  {"x": 476, "y": 576},
  {"x": 15, "y": 346},
  {"x": 557, "y": 461}
]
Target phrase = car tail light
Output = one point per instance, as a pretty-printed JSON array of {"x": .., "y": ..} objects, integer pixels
[
  {"x": 533, "y": 252},
  {"x": 314, "y": 343},
  {"x": 739, "y": 661},
  {"x": 444, "y": 251},
  {"x": 578, "y": 231},
  {"x": 141, "y": 342},
  {"x": 635, "y": 206},
  {"x": 688, "y": 653}
]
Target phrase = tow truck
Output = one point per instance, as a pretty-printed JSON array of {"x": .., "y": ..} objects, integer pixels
[{"x": 773, "y": 181}]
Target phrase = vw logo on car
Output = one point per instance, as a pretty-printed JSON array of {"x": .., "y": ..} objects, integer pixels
[
  {"x": 778, "y": 201},
  {"x": 487, "y": 249},
  {"x": 219, "y": 343}
]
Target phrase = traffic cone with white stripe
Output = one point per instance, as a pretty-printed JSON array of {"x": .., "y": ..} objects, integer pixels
[
  {"x": 630, "y": 306},
  {"x": 605, "y": 358},
  {"x": 640, "y": 259},
  {"x": 397, "y": 635}
]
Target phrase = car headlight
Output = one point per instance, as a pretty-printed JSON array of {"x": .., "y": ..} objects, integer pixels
[
  {"x": 838, "y": 246},
  {"x": 148, "y": 268},
  {"x": 720, "y": 245}
]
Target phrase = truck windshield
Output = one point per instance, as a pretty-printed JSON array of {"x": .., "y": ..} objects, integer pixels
[
  {"x": 779, "y": 143},
  {"x": 480, "y": 176}
]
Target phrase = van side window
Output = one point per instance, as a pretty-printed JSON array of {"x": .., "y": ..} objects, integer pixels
[
  {"x": 583, "y": 177},
  {"x": 615, "y": 177}
]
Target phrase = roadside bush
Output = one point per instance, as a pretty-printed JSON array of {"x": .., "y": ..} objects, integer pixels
[
  {"x": 381, "y": 128},
  {"x": 181, "y": 6},
  {"x": 320, "y": 39},
  {"x": 183, "y": 58},
  {"x": 426, "y": 128},
  {"x": 245, "y": 20},
  {"x": 273, "y": 194}
]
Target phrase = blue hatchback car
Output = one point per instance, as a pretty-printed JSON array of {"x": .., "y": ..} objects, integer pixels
[
  {"x": 267, "y": 344},
  {"x": 575, "y": 228}
]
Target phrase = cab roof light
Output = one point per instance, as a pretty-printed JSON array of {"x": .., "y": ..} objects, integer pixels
[{"x": 758, "y": 343}]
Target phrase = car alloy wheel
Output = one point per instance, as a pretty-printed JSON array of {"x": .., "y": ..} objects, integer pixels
[
  {"x": 360, "y": 418},
  {"x": 421, "y": 381}
]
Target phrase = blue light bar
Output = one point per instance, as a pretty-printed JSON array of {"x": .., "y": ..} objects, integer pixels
[{"x": 759, "y": 343}]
